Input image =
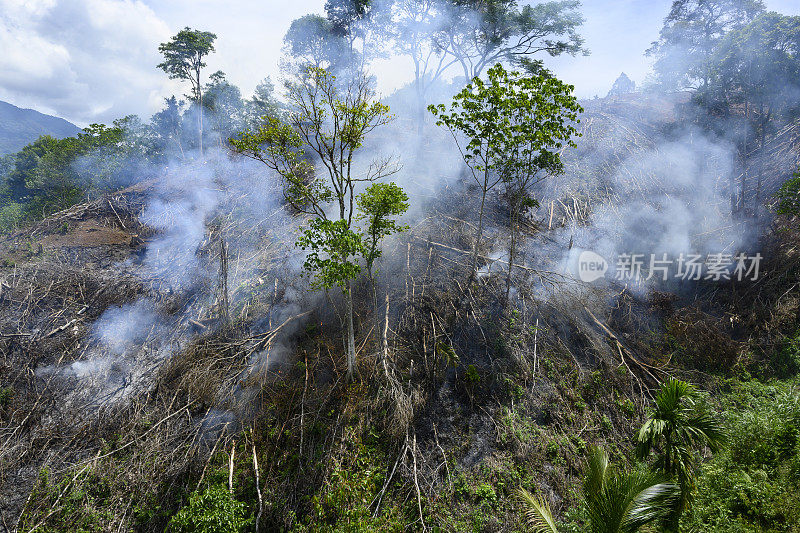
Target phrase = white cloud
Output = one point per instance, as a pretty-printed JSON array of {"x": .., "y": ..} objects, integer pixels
[
  {"x": 95, "y": 60},
  {"x": 84, "y": 60}
]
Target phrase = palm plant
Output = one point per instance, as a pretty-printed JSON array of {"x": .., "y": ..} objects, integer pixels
[
  {"x": 677, "y": 428},
  {"x": 618, "y": 501}
]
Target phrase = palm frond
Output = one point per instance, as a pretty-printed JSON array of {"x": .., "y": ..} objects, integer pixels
[
  {"x": 596, "y": 471},
  {"x": 704, "y": 429},
  {"x": 537, "y": 513},
  {"x": 669, "y": 397},
  {"x": 649, "y": 498}
]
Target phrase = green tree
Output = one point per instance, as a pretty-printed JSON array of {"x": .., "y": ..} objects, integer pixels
[
  {"x": 789, "y": 196},
  {"x": 540, "y": 114},
  {"x": 508, "y": 129},
  {"x": 326, "y": 124},
  {"x": 691, "y": 32},
  {"x": 480, "y": 33},
  {"x": 263, "y": 103},
  {"x": 51, "y": 174},
  {"x": 215, "y": 510},
  {"x": 24, "y": 163},
  {"x": 347, "y": 17},
  {"x": 184, "y": 56},
  {"x": 676, "y": 430},
  {"x": 754, "y": 75},
  {"x": 224, "y": 102},
  {"x": 416, "y": 30},
  {"x": 312, "y": 41},
  {"x": 617, "y": 501},
  {"x": 167, "y": 124},
  {"x": 377, "y": 206}
]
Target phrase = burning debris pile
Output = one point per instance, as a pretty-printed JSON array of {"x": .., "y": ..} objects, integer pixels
[{"x": 100, "y": 302}]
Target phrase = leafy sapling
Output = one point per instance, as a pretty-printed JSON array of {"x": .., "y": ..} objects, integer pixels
[
  {"x": 377, "y": 207},
  {"x": 325, "y": 127},
  {"x": 510, "y": 129}
]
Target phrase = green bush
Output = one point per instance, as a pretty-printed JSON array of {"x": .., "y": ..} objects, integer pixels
[
  {"x": 754, "y": 484},
  {"x": 789, "y": 196},
  {"x": 6, "y": 395},
  {"x": 11, "y": 215},
  {"x": 785, "y": 362},
  {"x": 213, "y": 511}
]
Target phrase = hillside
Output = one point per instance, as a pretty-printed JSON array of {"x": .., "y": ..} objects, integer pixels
[
  {"x": 18, "y": 127},
  {"x": 125, "y": 389}
]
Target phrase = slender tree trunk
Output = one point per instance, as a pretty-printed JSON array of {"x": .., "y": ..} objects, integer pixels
[
  {"x": 201, "y": 122},
  {"x": 385, "y": 338},
  {"x": 351, "y": 342},
  {"x": 763, "y": 141},
  {"x": 199, "y": 111},
  {"x": 420, "y": 99},
  {"x": 512, "y": 248},
  {"x": 479, "y": 235},
  {"x": 222, "y": 284},
  {"x": 746, "y": 165},
  {"x": 376, "y": 317}
]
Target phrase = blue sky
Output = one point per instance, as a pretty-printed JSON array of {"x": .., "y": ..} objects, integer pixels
[{"x": 94, "y": 60}]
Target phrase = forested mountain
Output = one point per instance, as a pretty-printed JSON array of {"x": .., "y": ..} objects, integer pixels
[{"x": 19, "y": 127}]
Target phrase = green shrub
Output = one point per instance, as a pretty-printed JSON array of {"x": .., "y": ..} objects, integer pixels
[
  {"x": 485, "y": 493},
  {"x": 785, "y": 362},
  {"x": 6, "y": 395},
  {"x": 754, "y": 484},
  {"x": 472, "y": 377},
  {"x": 11, "y": 215},
  {"x": 789, "y": 196},
  {"x": 213, "y": 511}
]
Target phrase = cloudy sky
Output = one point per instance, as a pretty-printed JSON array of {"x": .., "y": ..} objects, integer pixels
[{"x": 94, "y": 60}]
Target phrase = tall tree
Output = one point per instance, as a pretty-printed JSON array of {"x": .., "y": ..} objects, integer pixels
[
  {"x": 168, "y": 123},
  {"x": 676, "y": 430},
  {"x": 755, "y": 75},
  {"x": 617, "y": 500},
  {"x": 347, "y": 16},
  {"x": 541, "y": 113},
  {"x": 184, "y": 56},
  {"x": 263, "y": 103},
  {"x": 480, "y": 33},
  {"x": 690, "y": 34},
  {"x": 313, "y": 41},
  {"x": 416, "y": 29},
  {"x": 508, "y": 129},
  {"x": 328, "y": 123},
  {"x": 223, "y": 100}
]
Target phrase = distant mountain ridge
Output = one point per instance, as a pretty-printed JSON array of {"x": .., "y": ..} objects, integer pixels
[{"x": 19, "y": 127}]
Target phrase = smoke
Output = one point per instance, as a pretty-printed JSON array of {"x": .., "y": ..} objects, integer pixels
[
  {"x": 670, "y": 199},
  {"x": 190, "y": 204},
  {"x": 639, "y": 182}
]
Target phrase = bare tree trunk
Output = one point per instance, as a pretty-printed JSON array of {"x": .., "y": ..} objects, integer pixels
[
  {"x": 200, "y": 111},
  {"x": 230, "y": 466},
  {"x": 746, "y": 165},
  {"x": 351, "y": 342},
  {"x": 258, "y": 487},
  {"x": 222, "y": 284},
  {"x": 763, "y": 140},
  {"x": 512, "y": 248},
  {"x": 479, "y": 234},
  {"x": 376, "y": 316},
  {"x": 385, "y": 337}
]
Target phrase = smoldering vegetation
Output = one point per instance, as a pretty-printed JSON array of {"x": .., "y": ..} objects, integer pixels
[{"x": 159, "y": 331}]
